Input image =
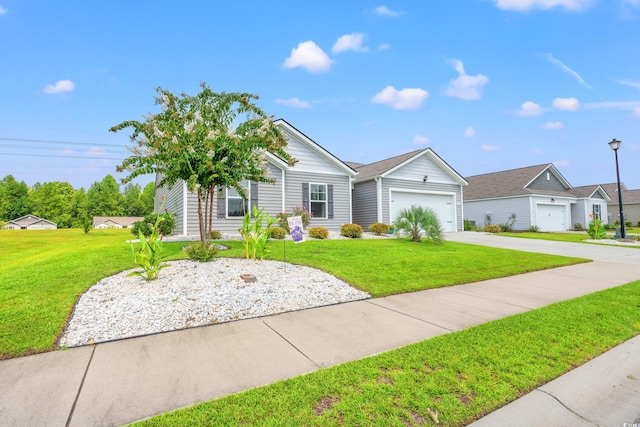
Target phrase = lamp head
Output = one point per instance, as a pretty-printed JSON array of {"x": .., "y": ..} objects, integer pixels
[{"x": 615, "y": 144}]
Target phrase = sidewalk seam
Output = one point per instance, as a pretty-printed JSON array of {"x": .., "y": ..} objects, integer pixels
[
  {"x": 75, "y": 401},
  {"x": 494, "y": 300},
  {"x": 291, "y": 344},
  {"x": 411, "y": 317},
  {"x": 567, "y": 408}
]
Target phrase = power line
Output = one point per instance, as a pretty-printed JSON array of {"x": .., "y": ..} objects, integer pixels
[
  {"x": 31, "y": 147},
  {"x": 50, "y": 141},
  {"x": 62, "y": 157}
]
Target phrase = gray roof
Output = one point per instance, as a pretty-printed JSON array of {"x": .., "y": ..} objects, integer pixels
[
  {"x": 629, "y": 197},
  {"x": 585, "y": 190},
  {"x": 380, "y": 167},
  {"x": 510, "y": 183}
]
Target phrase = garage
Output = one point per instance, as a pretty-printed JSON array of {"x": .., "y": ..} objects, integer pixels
[
  {"x": 442, "y": 204},
  {"x": 551, "y": 217}
]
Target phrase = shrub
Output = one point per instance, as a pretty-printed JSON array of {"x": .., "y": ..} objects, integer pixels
[
  {"x": 318, "y": 232},
  {"x": 492, "y": 228},
  {"x": 596, "y": 230},
  {"x": 468, "y": 225},
  {"x": 148, "y": 256},
  {"x": 146, "y": 226},
  {"x": 353, "y": 231},
  {"x": 534, "y": 229},
  {"x": 255, "y": 235},
  {"x": 505, "y": 227},
  {"x": 278, "y": 233},
  {"x": 577, "y": 226},
  {"x": 609, "y": 227},
  {"x": 214, "y": 235},
  {"x": 638, "y": 224},
  {"x": 379, "y": 228},
  {"x": 417, "y": 222},
  {"x": 300, "y": 211},
  {"x": 86, "y": 225},
  {"x": 628, "y": 224},
  {"x": 202, "y": 252}
]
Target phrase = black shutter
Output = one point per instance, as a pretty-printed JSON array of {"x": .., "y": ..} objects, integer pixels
[
  {"x": 221, "y": 204},
  {"x": 253, "y": 196},
  {"x": 305, "y": 196},
  {"x": 330, "y": 200}
]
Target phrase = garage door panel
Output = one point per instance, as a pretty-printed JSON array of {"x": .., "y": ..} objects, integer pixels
[
  {"x": 551, "y": 217},
  {"x": 442, "y": 205}
]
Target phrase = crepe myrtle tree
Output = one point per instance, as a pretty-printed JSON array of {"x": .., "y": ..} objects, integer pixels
[{"x": 210, "y": 140}]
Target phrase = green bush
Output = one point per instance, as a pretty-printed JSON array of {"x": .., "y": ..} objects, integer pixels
[
  {"x": 596, "y": 230},
  {"x": 214, "y": 235},
  {"x": 353, "y": 231},
  {"x": 379, "y": 228},
  {"x": 318, "y": 233},
  {"x": 202, "y": 252},
  {"x": 86, "y": 225},
  {"x": 534, "y": 229},
  {"x": 167, "y": 225},
  {"x": 628, "y": 224},
  {"x": 418, "y": 222},
  {"x": 638, "y": 224},
  {"x": 278, "y": 233},
  {"x": 148, "y": 256},
  {"x": 505, "y": 227},
  {"x": 468, "y": 225},
  {"x": 300, "y": 211},
  {"x": 492, "y": 228},
  {"x": 609, "y": 227},
  {"x": 577, "y": 226}
]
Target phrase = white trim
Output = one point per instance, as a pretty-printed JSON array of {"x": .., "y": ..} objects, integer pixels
[
  {"x": 555, "y": 172},
  {"x": 276, "y": 161},
  {"x": 379, "y": 198},
  {"x": 350, "y": 178},
  {"x": 315, "y": 172},
  {"x": 431, "y": 155},
  {"x": 283, "y": 192},
  {"x": 185, "y": 201},
  {"x": 426, "y": 192},
  {"x": 326, "y": 201}
]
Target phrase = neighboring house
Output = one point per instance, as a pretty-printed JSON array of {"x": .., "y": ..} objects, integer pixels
[
  {"x": 30, "y": 222},
  {"x": 630, "y": 203},
  {"x": 532, "y": 196},
  {"x": 100, "y": 222},
  {"x": 319, "y": 181},
  {"x": 421, "y": 177}
]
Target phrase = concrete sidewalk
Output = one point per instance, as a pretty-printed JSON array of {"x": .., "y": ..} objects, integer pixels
[{"x": 123, "y": 381}]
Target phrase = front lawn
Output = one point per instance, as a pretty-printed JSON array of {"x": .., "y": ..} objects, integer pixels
[
  {"x": 44, "y": 272},
  {"x": 462, "y": 375},
  {"x": 560, "y": 237}
]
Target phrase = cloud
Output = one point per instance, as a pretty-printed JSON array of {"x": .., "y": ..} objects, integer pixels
[
  {"x": 636, "y": 112},
  {"x": 470, "y": 132},
  {"x": 59, "y": 87},
  {"x": 561, "y": 163},
  {"x": 485, "y": 147},
  {"x": 3, "y": 11},
  {"x": 537, "y": 151},
  {"x": 530, "y": 109},
  {"x": 566, "y": 69},
  {"x": 293, "y": 102},
  {"x": 635, "y": 85},
  {"x": 567, "y": 104},
  {"x": 421, "y": 140},
  {"x": 525, "y": 5},
  {"x": 384, "y": 46},
  {"x": 466, "y": 87},
  {"x": 612, "y": 105},
  {"x": 385, "y": 11},
  {"x": 351, "y": 41},
  {"x": 308, "y": 56},
  {"x": 552, "y": 126},
  {"x": 405, "y": 99}
]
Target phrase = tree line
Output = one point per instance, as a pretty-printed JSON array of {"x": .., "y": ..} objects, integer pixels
[{"x": 59, "y": 202}]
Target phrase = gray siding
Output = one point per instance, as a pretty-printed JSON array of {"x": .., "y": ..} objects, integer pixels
[
  {"x": 388, "y": 183},
  {"x": 417, "y": 169},
  {"x": 501, "y": 210},
  {"x": 553, "y": 183},
  {"x": 365, "y": 206},
  {"x": 173, "y": 203}
]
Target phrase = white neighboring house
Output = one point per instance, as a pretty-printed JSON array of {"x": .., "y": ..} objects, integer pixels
[
  {"x": 532, "y": 196},
  {"x": 319, "y": 181},
  {"x": 102, "y": 222},
  {"x": 420, "y": 177},
  {"x": 30, "y": 222}
]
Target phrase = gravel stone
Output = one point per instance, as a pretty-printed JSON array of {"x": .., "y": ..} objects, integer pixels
[{"x": 190, "y": 293}]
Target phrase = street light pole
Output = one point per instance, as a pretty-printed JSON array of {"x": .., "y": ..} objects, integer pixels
[{"x": 615, "y": 144}]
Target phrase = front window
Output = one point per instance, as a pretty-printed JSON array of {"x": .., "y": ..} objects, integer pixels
[
  {"x": 318, "y": 200},
  {"x": 596, "y": 212},
  {"x": 236, "y": 205}
]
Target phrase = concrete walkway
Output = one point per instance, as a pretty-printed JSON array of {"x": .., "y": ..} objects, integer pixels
[{"x": 123, "y": 381}]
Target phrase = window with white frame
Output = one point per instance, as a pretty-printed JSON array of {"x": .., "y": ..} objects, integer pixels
[
  {"x": 318, "y": 200},
  {"x": 596, "y": 212},
  {"x": 236, "y": 205}
]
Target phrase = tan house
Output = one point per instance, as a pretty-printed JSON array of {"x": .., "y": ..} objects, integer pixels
[
  {"x": 30, "y": 222},
  {"x": 102, "y": 222},
  {"x": 630, "y": 203}
]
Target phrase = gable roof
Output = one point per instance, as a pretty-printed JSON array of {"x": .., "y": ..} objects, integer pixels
[
  {"x": 513, "y": 182},
  {"x": 384, "y": 167},
  {"x": 317, "y": 148},
  {"x": 29, "y": 220},
  {"x": 587, "y": 191},
  {"x": 123, "y": 221},
  {"x": 612, "y": 189}
]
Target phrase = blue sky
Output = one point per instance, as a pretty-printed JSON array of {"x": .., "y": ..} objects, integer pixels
[{"x": 487, "y": 84}]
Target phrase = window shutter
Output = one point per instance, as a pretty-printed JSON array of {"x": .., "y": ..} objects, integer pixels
[
  {"x": 222, "y": 203},
  {"x": 330, "y": 200},
  {"x": 254, "y": 196},
  {"x": 305, "y": 196}
]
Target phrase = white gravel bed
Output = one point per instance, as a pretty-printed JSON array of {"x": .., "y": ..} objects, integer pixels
[{"x": 189, "y": 294}]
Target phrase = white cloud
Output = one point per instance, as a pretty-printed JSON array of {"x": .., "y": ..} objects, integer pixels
[
  {"x": 524, "y": 5},
  {"x": 566, "y": 69},
  {"x": 537, "y": 151},
  {"x": 385, "y": 11},
  {"x": 620, "y": 105},
  {"x": 3, "y": 11},
  {"x": 552, "y": 126},
  {"x": 384, "y": 46},
  {"x": 470, "y": 132},
  {"x": 635, "y": 85},
  {"x": 405, "y": 99},
  {"x": 293, "y": 102},
  {"x": 530, "y": 109},
  {"x": 636, "y": 112},
  {"x": 561, "y": 163},
  {"x": 308, "y": 56},
  {"x": 351, "y": 41},
  {"x": 568, "y": 104},
  {"x": 421, "y": 140},
  {"x": 485, "y": 147},
  {"x": 59, "y": 86},
  {"x": 466, "y": 87}
]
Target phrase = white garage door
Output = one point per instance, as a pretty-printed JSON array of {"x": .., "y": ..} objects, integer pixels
[
  {"x": 551, "y": 217},
  {"x": 442, "y": 204}
]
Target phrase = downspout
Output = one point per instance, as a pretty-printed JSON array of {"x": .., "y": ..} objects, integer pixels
[
  {"x": 461, "y": 201},
  {"x": 185, "y": 210},
  {"x": 379, "y": 198},
  {"x": 284, "y": 204}
]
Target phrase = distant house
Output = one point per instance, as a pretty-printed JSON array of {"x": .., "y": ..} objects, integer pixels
[
  {"x": 630, "y": 203},
  {"x": 421, "y": 177},
  {"x": 101, "y": 222},
  {"x": 30, "y": 222},
  {"x": 532, "y": 196}
]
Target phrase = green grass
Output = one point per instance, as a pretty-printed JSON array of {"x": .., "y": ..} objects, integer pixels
[
  {"x": 391, "y": 266},
  {"x": 44, "y": 272},
  {"x": 462, "y": 375},
  {"x": 560, "y": 237}
]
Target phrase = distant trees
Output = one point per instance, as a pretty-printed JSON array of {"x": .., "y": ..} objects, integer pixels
[{"x": 59, "y": 202}]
